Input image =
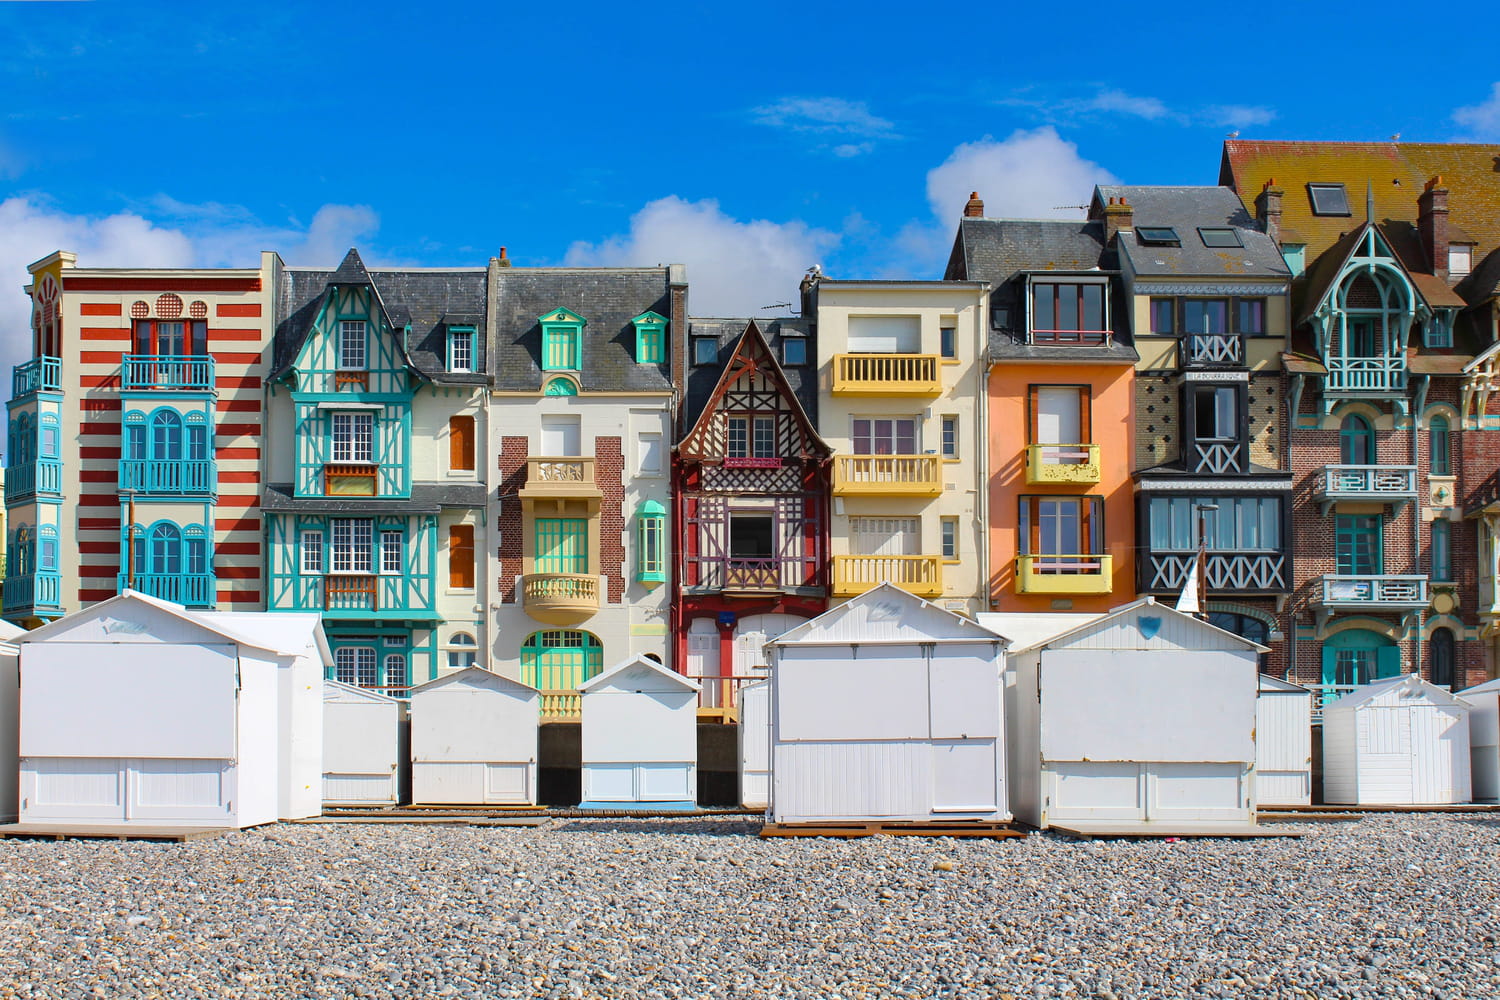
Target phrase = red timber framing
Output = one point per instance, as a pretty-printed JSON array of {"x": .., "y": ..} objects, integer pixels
[{"x": 750, "y": 504}]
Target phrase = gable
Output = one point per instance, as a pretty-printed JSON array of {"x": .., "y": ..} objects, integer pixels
[
  {"x": 318, "y": 361},
  {"x": 128, "y": 618},
  {"x": 339, "y": 693},
  {"x": 887, "y": 614},
  {"x": 476, "y": 679},
  {"x": 1147, "y": 625},
  {"x": 639, "y": 674}
]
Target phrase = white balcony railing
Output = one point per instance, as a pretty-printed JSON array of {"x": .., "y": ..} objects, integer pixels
[
  {"x": 1369, "y": 482},
  {"x": 1365, "y": 374},
  {"x": 1344, "y": 590}
]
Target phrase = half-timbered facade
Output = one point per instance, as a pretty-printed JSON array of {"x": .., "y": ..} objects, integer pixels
[
  {"x": 750, "y": 502},
  {"x": 374, "y": 498}
]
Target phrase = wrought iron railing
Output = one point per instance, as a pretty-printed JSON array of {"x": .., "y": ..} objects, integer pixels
[
  {"x": 38, "y": 374},
  {"x": 167, "y": 371}
]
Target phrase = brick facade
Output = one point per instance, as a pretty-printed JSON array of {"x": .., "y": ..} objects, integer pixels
[
  {"x": 609, "y": 473},
  {"x": 512, "y": 467}
]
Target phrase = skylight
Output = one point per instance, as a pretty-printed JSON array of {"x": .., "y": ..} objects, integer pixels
[
  {"x": 1328, "y": 199},
  {"x": 1219, "y": 236},
  {"x": 1157, "y": 236}
]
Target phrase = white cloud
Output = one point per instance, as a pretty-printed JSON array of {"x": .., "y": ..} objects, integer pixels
[
  {"x": 828, "y": 115},
  {"x": 1483, "y": 119},
  {"x": 848, "y": 149},
  {"x": 1239, "y": 114},
  {"x": 734, "y": 268},
  {"x": 1120, "y": 102},
  {"x": 1029, "y": 175}
]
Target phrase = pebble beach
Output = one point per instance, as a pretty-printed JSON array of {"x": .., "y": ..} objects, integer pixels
[{"x": 1389, "y": 906}]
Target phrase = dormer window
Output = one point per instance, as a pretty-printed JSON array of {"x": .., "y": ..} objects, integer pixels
[
  {"x": 1460, "y": 259},
  {"x": 650, "y": 338},
  {"x": 1157, "y": 236},
  {"x": 1069, "y": 311},
  {"x": 461, "y": 349},
  {"x": 1219, "y": 236},
  {"x": 1328, "y": 199},
  {"x": 353, "y": 343},
  {"x": 562, "y": 341}
]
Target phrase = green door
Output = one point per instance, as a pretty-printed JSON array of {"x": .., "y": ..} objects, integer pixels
[
  {"x": 1357, "y": 656},
  {"x": 557, "y": 662}
]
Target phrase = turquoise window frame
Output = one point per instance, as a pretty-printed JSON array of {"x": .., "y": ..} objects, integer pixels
[
  {"x": 1441, "y": 549},
  {"x": 651, "y": 543},
  {"x": 455, "y": 334},
  {"x": 650, "y": 338},
  {"x": 560, "y": 386},
  {"x": 1439, "y": 448},
  {"x": 1295, "y": 257},
  {"x": 562, "y": 341},
  {"x": 1349, "y": 531}
]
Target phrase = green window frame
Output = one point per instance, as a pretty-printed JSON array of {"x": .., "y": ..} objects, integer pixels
[
  {"x": 650, "y": 338},
  {"x": 651, "y": 541},
  {"x": 1359, "y": 656},
  {"x": 1442, "y": 550},
  {"x": 1358, "y": 545},
  {"x": 562, "y": 545},
  {"x": 1439, "y": 452},
  {"x": 560, "y": 660},
  {"x": 562, "y": 341}
]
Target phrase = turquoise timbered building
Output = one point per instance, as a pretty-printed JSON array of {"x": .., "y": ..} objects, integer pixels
[{"x": 374, "y": 533}]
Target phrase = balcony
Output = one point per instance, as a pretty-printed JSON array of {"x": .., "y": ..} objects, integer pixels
[
  {"x": 32, "y": 594},
  {"x": 719, "y": 694},
  {"x": 920, "y": 575},
  {"x": 1365, "y": 374},
  {"x": 562, "y": 478},
  {"x": 1064, "y": 574},
  {"x": 167, "y": 371},
  {"x": 42, "y": 374},
  {"x": 351, "y": 593},
  {"x": 196, "y": 590},
  {"x": 1373, "y": 592},
  {"x": 27, "y": 480},
  {"x": 887, "y": 475},
  {"x": 1062, "y": 464},
  {"x": 169, "y": 476},
  {"x": 560, "y": 598},
  {"x": 1226, "y": 572},
  {"x": 886, "y": 375},
  {"x": 1385, "y": 483},
  {"x": 1211, "y": 350},
  {"x": 1216, "y": 457}
]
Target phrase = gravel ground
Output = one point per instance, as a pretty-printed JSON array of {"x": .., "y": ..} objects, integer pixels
[{"x": 1387, "y": 907}]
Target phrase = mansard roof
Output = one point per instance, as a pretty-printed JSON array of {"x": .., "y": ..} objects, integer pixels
[
  {"x": 1186, "y": 209},
  {"x": 701, "y": 381},
  {"x": 607, "y": 299}
]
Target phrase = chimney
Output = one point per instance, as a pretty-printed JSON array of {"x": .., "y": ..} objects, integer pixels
[
  {"x": 809, "y": 293},
  {"x": 1268, "y": 209},
  {"x": 504, "y": 261},
  {"x": 1432, "y": 224},
  {"x": 1118, "y": 215},
  {"x": 975, "y": 208}
]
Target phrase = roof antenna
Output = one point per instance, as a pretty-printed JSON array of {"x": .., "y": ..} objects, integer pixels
[{"x": 1369, "y": 202}]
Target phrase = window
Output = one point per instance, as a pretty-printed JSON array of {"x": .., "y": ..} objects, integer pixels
[
  {"x": 163, "y": 550},
  {"x": 1240, "y": 524},
  {"x": 356, "y": 665},
  {"x": 560, "y": 659},
  {"x": 1442, "y": 551},
  {"x": 562, "y": 341},
  {"x": 1157, "y": 236},
  {"x": 648, "y": 453},
  {"x": 391, "y": 545},
  {"x": 1439, "y": 453},
  {"x": 1460, "y": 259},
  {"x": 1358, "y": 544},
  {"x": 885, "y": 436},
  {"x": 1215, "y": 414},
  {"x": 1163, "y": 316},
  {"x": 950, "y": 538},
  {"x": 46, "y": 558},
  {"x": 1328, "y": 199},
  {"x": 948, "y": 342},
  {"x": 395, "y": 672},
  {"x": 885, "y": 536},
  {"x": 312, "y": 552},
  {"x": 751, "y": 535},
  {"x": 352, "y": 344},
  {"x": 352, "y": 544},
  {"x": 1250, "y": 317},
  {"x": 650, "y": 338},
  {"x": 162, "y": 338},
  {"x": 885, "y": 334},
  {"x": 462, "y": 651},
  {"x": 461, "y": 443},
  {"x": 353, "y": 437},
  {"x": 461, "y": 557},
  {"x": 793, "y": 351},
  {"x": 1245, "y": 627},
  {"x": 1060, "y": 415},
  {"x": 1219, "y": 236},
  {"x": 1071, "y": 313},
  {"x": 1062, "y": 526},
  {"x": 1356, "y": 441},
  {"x": 1440, "y": 653},
  {"x": 950, "y": 437},
  {"x": 1205, "y": 316},
  {"x": 562, "y": 545},
  {"x": 461, "y": 349},
  {"x": 1295, "y": 256},
  {"x": 166, "y": 435},
  {"x": 705, "y": 350},
  {"x": 651, "y": 535}
]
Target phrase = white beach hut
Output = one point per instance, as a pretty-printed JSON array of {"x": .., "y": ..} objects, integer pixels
[
  {"x": 366, "y": 753},
  {"x": 474, "y": 740},
  {"x": 1283, "y": 743},
  {"x": 1484, "y": 739},
  {"x": 887, "y": 708},
  {"x": 137, "y": 711},
  {"x": 1399, "y": 741},
  {"x": 640, "y": 738},
  {"x": 10, "y": 729},
  {"x": 755, "y": 745},
  {"x": 1138, "y": 720}
]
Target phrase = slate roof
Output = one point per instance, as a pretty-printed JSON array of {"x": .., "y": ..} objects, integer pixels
[
  {"x": 426, "y": 498},
  {"x": 607, "y": 298},
  {"x": 1185, "y": 209},
  {"x": 429, "y": 300},
  {"x": 703, "y": 379}
]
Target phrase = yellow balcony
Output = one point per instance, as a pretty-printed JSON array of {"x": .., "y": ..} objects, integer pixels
[
  {"x": 886, "y": 375},
  {"x": 887, "y": 475},
  {"x": 1062, "y": 463},
  {"x": 560, "y": 598},
  {"x": 1064, "y": 574},
  {"x": 920, "y": 575},
  {"x": 569, "y": 478}
]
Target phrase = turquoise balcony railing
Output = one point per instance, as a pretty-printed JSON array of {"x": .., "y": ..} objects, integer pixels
[
  {"x": 33, "y": 592},
  {"x": 30, "y": 478},
  {"x": 36, "y": 374},
  {"x": 167, "y": 371},
  {"x": 196, "y": 590},
  {"x": 162, "y": 475}
]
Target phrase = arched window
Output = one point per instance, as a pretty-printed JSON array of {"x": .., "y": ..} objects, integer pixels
[
  {"x": 135, "y": 435},
  {"x": 1356, "y": 441},
  {"x": 1245, "y": 626},
  {"x": 560, "y": 661},
  {"x": 50, "y": 436},
  {"x": 1440, "y": 656},
  {"x": 395, "y": 673},
  {"x": 1359, "y": 656},
  {"x": 46, "y": 559},
  {"x": 462, "y": 651},
  {"x": 166, "y": 435},
  {"x": 197, "y": 437},
  {"x": 1442, "y": 551},
  {"x": 164, "y": 546},
  {"x": 1440, "y": 458}
]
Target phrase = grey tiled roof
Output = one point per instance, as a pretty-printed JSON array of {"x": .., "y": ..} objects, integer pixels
[
  {"x": 1185, "y": 209},
  {"x": 426, "y": 498},
  {"x": 607, "y": 298},
  {"x": 701, "y": 379}
]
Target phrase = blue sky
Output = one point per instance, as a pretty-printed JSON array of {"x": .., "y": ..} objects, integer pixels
[{"x": 745, "y": 140}]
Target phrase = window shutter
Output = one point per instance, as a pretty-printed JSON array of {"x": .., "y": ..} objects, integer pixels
[
  {"x": 1330, "y": 664},
  {"x": 1388, "y": 661},
  {"x": 1086, "y": 523},
  {"x": 461, "y": 443},
  {"x": 1031, "y": 532},
  {"x": 1032, "y": 408},
  {"x": 1085, "y": 413},
  {"x": 461, "y": 557}
]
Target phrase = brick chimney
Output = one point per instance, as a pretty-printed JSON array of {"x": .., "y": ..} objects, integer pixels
[
  {"x": 503, "y": 260},
  {"x": 1432, "y": 224},
  {"x": 1268, "y": 209},
  {"x": 1118, "y": 215},
  {"x": 975, "y": 208}
]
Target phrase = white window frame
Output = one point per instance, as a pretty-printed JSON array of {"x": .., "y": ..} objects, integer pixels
[
  {"x": 392, "y": 552},
  {"x": 948, "y": 528},
  {"x": 353, "y": 436},
  {"x": 351, "y": 549},
  {"x": 886, "y": 431},
  {"x": 461, "y": 350},
  {"x": 311, "y": 560},
  {"x": 643, "y": 448},
  {"x": 469, "y": 648},
  {"x": 949, "y": 443},
  {"x": 354, "y": 333}
]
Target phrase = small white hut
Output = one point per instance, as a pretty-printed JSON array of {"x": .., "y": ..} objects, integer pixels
[
  {"x": 1484, "y": 739},
  {"x": 1283, "y": 743},
  {"x": 10, "y": 728},
  {"x": 474, "y": 740},
  {"x": 887, "y": 708},
  {"x": 755, "y": 745},
  {"x": 366, "y": 754},
  {"x": 640, "y": 738},
  {"x": 1138, "y": 720},
  {"x": 139, "y": 711},
  {"x": 1398, "y": 741}
]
